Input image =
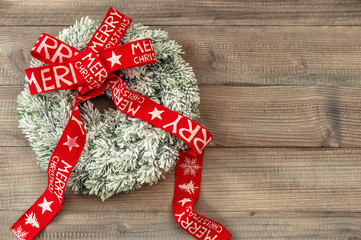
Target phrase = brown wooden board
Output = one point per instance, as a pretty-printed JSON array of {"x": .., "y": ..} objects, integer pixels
[
  {"x": 270, "y": 193},
  {"x": 280, "y": 92},
  {"x": 232, "y": 55},
  {"x": 186, "y": 12},
  {"x": 292, "y": 116}
]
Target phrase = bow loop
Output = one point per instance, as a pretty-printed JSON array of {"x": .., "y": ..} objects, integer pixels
[
  {"x": 51, "y": 50},
  {"x": 82, "y": 70},
  {"x": 110, "y": 31}
]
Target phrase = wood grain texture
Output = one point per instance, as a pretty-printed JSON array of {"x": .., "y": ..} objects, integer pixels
[
  {"x": 232, "y": 55},
  {"x": 257, "y": 192},
  {"x": 186, "y": 12},
  {"x": 148, "y": 225},
  {"x": 288, "y": 116},
  {"x": 280, "y": 92}
]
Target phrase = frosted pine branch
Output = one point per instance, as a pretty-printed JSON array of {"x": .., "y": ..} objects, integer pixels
[{"x": 121, "y": 153}]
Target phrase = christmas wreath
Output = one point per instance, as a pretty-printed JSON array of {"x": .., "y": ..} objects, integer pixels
[
  {"x": 156, "y": 96},
  {"x": 121, "y": 153}
]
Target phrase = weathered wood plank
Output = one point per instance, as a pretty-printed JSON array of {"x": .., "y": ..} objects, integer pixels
[
  {"x": 274, "y": 116},
  {"x": 256, "y": 192},
  {"x": 281, "y": 116},
  {"x": 117, "y": 224},
  {"x": 8, "y": 119},
  {"x": 152, "y": 12},
  {"x": 188, "y": 12},
  {"x": 238, "y": 179},
  {"x": 259, "y": 190},
  {"x": 231, "y": 55}
]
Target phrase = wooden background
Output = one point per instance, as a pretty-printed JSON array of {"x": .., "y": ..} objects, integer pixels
[{"x": 280, "y": 85}]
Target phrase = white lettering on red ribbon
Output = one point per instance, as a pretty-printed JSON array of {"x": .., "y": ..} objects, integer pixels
[
  {"x": 54, "y": 50},
  {"x": 61, "y": 179},
  {"x": 110, "y": 31},
  {"x": 32, "y": 81},
  {"x": 61, "y": 76},
  {"x": 122, "y": 103},
  {"x": 143, "y": 48},
  {"x": 199, "y": 143},
  {"x": 46, "y": 45},
  {"x": 90, "y": 69},
  {"x": 59, "y": 54},
  {"x": 192, "y": 132},
  {"x": 57, "y": 176},
  {"x": 86, "y": 71},
  {"x": 45, "y": 79},
  {"x": 53, "y": 163},
  {"x": 204, "y": 141},
  {"x": 196, "y": 228},
  {"x": 174, "y": 124}
]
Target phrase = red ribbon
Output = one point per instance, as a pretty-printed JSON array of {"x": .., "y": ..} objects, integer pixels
[{"x": 90, "y": 72}]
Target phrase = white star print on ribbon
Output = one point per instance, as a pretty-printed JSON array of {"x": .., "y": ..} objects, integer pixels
[
  {"x": 71, "y": 142},
  {"x": 45, "y": 206},
  {"x": 114, "y": 59},
  {"x": 156, "y": 113}
]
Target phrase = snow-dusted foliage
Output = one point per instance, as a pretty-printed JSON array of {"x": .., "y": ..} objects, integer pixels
[{"x": 121, "y": 153}]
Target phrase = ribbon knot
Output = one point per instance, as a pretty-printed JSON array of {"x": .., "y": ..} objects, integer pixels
[
  {"x": 71, "y": 69},
  {"x": 90, "y": 72}
]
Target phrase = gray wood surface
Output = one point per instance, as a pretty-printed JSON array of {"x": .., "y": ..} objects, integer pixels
[
  {"x": 280, "y": 92},
  {"x": 232, "y": 55}
]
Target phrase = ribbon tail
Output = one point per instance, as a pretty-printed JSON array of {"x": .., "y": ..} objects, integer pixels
[
  {"x": 61, "y": 164},
  {"x": 63, "y": 160},
  {"x": 186, "y": 192},
  {"x": 37, "y": 217},
  {"x": 186, "y": 189}
]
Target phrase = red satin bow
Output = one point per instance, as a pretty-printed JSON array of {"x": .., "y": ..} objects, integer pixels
[{"x": 90, "y": 72}]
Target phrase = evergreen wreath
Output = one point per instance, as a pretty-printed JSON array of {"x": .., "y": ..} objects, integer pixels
[{"x": 121, "y": 153}]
